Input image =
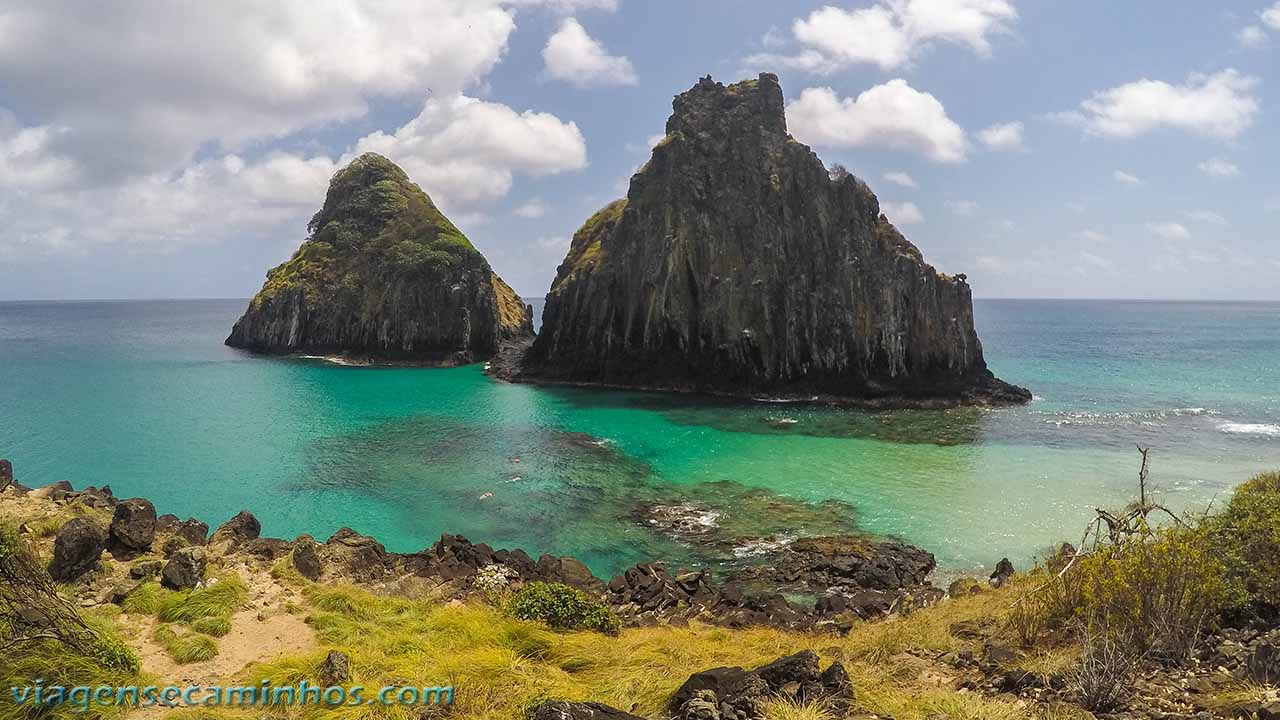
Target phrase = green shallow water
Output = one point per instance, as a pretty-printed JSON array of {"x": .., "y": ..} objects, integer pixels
[{"x": 142, "y": 396}]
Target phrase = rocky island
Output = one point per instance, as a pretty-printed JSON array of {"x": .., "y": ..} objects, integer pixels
[
  {"x": 383, "y": 275},
  {"x": 738, "y": 264}
]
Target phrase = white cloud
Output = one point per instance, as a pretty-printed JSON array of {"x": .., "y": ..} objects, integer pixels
[
  {"x": 1206, "y": 216},
  {"x": 27, "y": 157},
  {"x": 905, "y": 213},
  {"x": 462, "y": 151},
  {"x": 1077, "y": 206},
  {"x": 890, "y": 34},
  {"x": 900, "y": 178},
  {"x": 1219, "y": 106},
  {"x": 1169, "y": 230},
  {"x": 142, "y": 87},
  {"x": 1217, "y": 167},
  {"x": 1124, "y": 177},
  {"x": 567, "y": 6},
  {"x": 1251, "y": 37},
  {"x": 893, "y": 115},
  {"x": 1096, "y": 261},
  {"x": 465, "y": 151},
  {"x": 1092, "y": 236},
  {"x": 532, "y": 210},
  {"x": 575, "y": 57},
  {"x": 962, "y": 207},
  {"x": 1271, "y": 16},
  {"x": 1003, "y": 136}
]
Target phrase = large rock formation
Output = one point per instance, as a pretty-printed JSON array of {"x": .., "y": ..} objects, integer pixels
[
  {"x": 737, "y": 263},
  {"x": 383, "y": 275}
]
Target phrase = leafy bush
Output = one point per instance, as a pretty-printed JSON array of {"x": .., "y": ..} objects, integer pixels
[
  {"x": 1159, "y": 591},
  {"x": 1247, "y": 536},
  {"x": 562, "y": 607}
]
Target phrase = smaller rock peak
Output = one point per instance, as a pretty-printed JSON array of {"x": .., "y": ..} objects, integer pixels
[{"x": 710, "y": 105}]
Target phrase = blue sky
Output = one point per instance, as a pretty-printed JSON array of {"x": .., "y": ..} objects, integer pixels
[{"x": 1046, "y": 149}]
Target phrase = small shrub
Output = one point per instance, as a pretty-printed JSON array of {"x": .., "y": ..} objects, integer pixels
[
  {"x": 493, "y": 582},
  {"x": 1247, "y": 536},
  {"x": 1103, "y": 682},
  {"x": 562, "y": 607}
]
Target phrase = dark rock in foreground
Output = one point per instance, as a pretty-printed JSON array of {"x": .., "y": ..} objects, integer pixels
[
  {"x": 563, "y": 710},
  {"x": 134, "y": 524},
  {"x": 77, "y": 548},
  {"x": 737, "y": 264},
  {"x": 383, "y": 275}
]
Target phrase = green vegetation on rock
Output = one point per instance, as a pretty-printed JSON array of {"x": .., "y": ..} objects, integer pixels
[{"x": 383, "y": 273}]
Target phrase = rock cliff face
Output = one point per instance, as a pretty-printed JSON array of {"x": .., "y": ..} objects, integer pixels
[
  {"x": 737, "y": 263},
  {"x": 383, "y": 275}
]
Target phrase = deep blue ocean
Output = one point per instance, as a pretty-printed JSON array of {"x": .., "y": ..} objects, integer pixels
[{"x": 143, "y": 396}]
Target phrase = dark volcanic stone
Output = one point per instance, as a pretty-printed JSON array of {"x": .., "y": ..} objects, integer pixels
[
  {"x": 361, "y": 557},
  {"x": 185, "y": 569},
  {"x": 77, "y": 548},
  {"x": 562, "y": 710},
  {"x": 306, "y": 557},
  {"x": 738, "y": 264},
  {"x": 193, "y": 531},
  {"x": 383, "y": 274},
  {"x": 1003, "y": 572},
  {"x": 6, "y": 474},
  {"x": 134, "y": 524},
  {"x": 239, "y": 529}
]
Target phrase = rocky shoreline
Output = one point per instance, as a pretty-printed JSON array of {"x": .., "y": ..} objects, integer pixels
[
  {"x": 848, "y": 577},
  {"x": 852, "y": 580}
]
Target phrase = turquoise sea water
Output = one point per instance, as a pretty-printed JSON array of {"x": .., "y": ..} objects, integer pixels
[{"x": 144, "y": 397}]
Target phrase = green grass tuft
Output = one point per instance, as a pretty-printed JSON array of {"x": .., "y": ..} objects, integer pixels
[{"x": 185, "y": 646}]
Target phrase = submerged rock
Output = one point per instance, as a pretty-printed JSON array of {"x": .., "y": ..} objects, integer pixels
[
  {"x": 738, "y": 264},
  {"x": 383, "y": 275}
]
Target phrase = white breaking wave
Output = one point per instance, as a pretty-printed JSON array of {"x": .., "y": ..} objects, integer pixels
[
  {"x": 1260, "y": 429},
  {"x": 763, "y": 546}
]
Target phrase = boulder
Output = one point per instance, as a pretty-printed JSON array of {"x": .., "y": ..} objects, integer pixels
[
  {"x": 568, "y": 571},
  {"x": 166, "y": 523},
  {"x": 145, "y": 569},
  {"x": 563, "y": 710},
  {"x": 1263, "y": 660},
  {"x": 185, "y": 569},
  {"x": 6, "y": 474},
  {"x": 359, "y": 557},
  {"x": 192, "y": 531},
  {"x": 134, "y": 524},
  {"x": 238, "y": 530},
  {"x": 335, "y": 670},
  {"x": 1003, "y": 573},
  {"x": 77, "y": 548},
  {"x": 733, "y": 693},
  {"x": 964, "y": 586},
  {"x": 306, "y": 557}
]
